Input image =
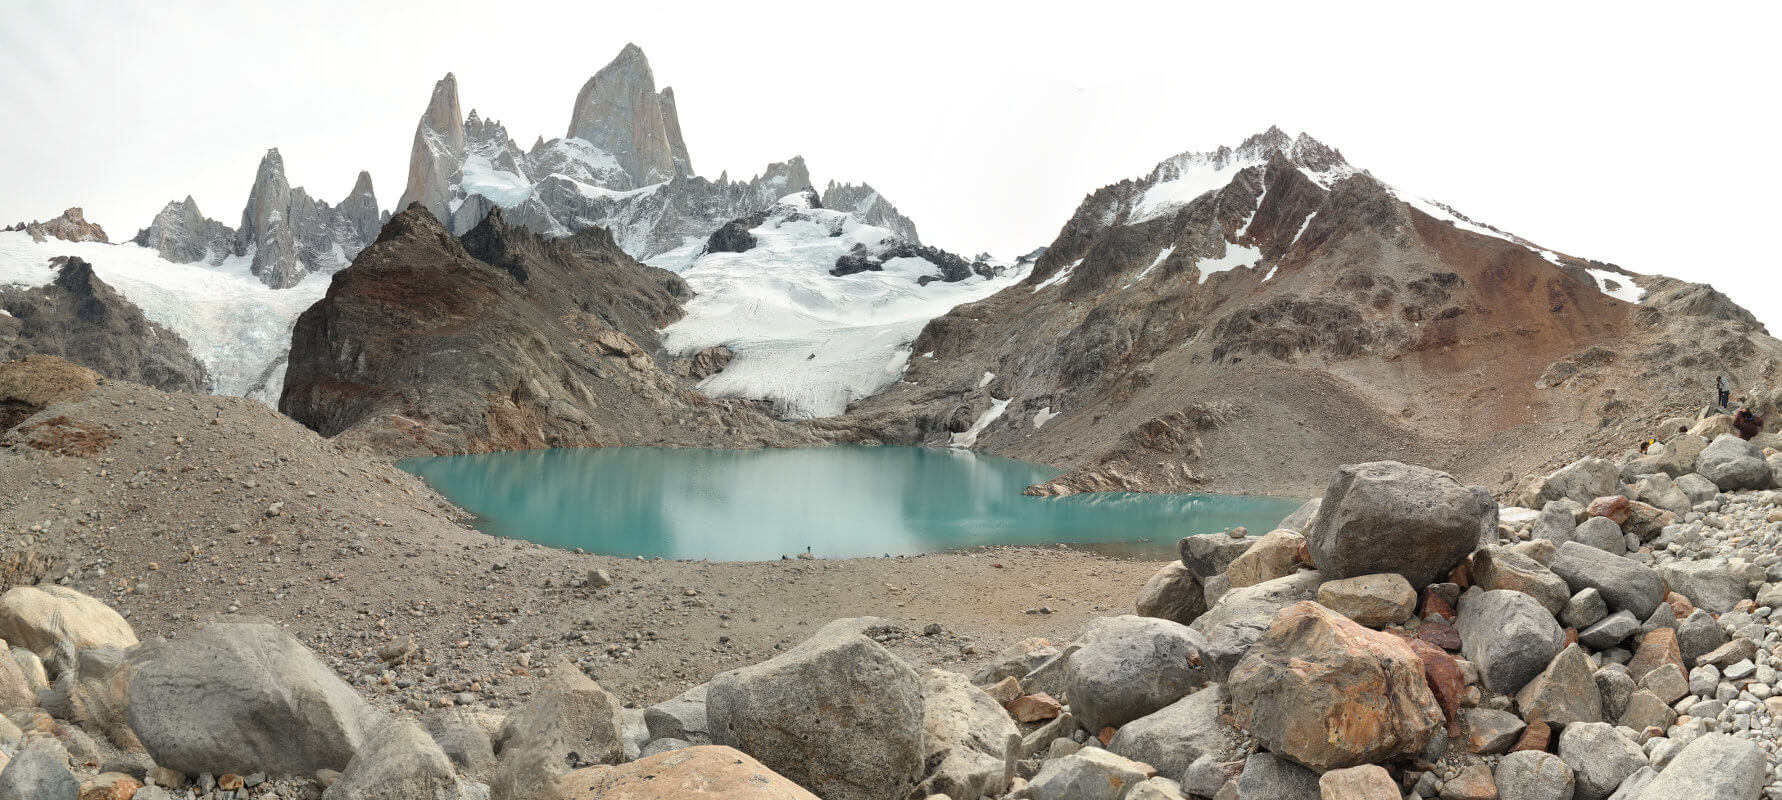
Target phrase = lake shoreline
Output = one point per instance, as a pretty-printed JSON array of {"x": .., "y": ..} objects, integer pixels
[{"x": 180, "y": 521}]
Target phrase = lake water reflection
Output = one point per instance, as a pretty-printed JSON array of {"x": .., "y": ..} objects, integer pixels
[{"x": 752, "y": 505}]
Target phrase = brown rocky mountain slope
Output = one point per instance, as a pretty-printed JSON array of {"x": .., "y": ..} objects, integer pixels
[
  {"x": 1300, "y": 314},
  {"x": 504, "y": 340}
]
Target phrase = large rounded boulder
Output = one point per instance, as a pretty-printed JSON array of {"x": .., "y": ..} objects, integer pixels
[
  {"x": 1509, "y": 635},
  {"x": 1385, "y": 516},
  {"x": 57, "y": 622},
  {"x": 1130, "y": 667},
  {"x": 839, "y": 714},
  {"x": 244, "y": 697},
  {"x": 1173, "y": 593},
  {"x": 1733, "y": 463},
  {"x": 1328, "y": 693}
]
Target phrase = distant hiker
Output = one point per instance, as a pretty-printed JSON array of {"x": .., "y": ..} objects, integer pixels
[
  {"x": 1725, "y": 387},
  {"x": 1747, "y": 424}
]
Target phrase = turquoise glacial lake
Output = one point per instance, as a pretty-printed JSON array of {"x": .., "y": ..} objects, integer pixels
[{"x": 839, "y": 502}]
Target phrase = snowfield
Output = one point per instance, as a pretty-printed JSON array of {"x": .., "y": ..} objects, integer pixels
[
  {"x": 807, "y": 341},
  {"x": 239, "y": 328}
]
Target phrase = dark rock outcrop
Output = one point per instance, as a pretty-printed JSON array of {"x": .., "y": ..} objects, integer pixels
[
  {"x": 503, "y": 340},
  {"x": 81, "y": 318}
]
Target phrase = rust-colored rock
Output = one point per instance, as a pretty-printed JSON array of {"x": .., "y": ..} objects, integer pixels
[
  {"x": 1434, "y": 604},
  {"x": 1106, "y": 735},
  {"x": 706, "y": 772},
  {"x": 1537, "y": 736},
  {"x": 1615, "y": 507},
  {"x": 1034, "y": 707},
  {"x": 1440, "y": 635},
  {"x": 1446, "y": 681},
  {"x": 1461, "y": 575},
  {"x": 1328, "y": 693},
  {"x": 111, "y": 786},
  {"x": 1657, "y": 649},
  {"x": 230, "y": 781}
]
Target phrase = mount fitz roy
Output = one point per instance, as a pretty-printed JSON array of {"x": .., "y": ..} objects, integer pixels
[
  {"x": 1237, "y": 319},
  {"x": 623, "y": 165}
]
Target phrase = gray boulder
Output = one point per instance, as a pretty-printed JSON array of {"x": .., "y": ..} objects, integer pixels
[
  {"x": 39, "y": 772},
  {"x": 1268, "y": 775},
  {"x": 1632, "y": 785},
  {"x": 1017, "y": 661},
  {"x": 1558, "y": 520},
  {"x": 398, "y": 762},
  {"x": 462, "y": 740},
  {"x": 838, "y": 714},
  {"x": 1533, "y": 775},
  {"x": 569, "y": 724},
  {"x": 1714, "y": 765},
  {"x": 1209, "y": 554},
  {"x": 1698, "y": 488},
  {"x": 1509, "y": 635},
  {"x": 1698, "y": 635},
  {"x": 1564, "y": 693},
  {"x": 244, "y": 697},
  {"x": 1385, "y": 516},
  {"x": 1182, "y": 732},
  {"x": 1713, "y": 584},
  {"x": 1173, "y": 593},
  {"x": 965, "y": 736},
  {"x": 1241, "y": 616},
  {"x": 1601, "y": 533},
  {"x": 664, "y": 745},
  {"x": 1680, "y": 454},
  {"x": 1626, "y": 584},
  {"x": 1301, "y": 518},
  {"x": 1600, "y": 758},
  {"x": 681, "y": 717},
  {"x": 1584, "y": 609},
  {"x": 1659, "y": 490},
  {"x": 1496, "y": 567},
  {"x": 1130, "y": 667},
  {"x": 1609, "y": 631},
  {"x": 1581, "y": 481},
  {"x": 1732, "y": 464},
  {"x": 1088, "y": 774}
]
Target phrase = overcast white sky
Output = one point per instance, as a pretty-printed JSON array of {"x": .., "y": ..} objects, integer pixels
[{"x": 1642, "y": 137}]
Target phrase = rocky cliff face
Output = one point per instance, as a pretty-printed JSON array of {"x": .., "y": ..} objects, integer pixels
[
  {"x": 80, "y": 318},
  {"x": 71, "y": 226},
  {"x": 623, "y": 165},
  {"x": 182, "y": 234},
  {"x": 619, "y": 112},
  {"x": 284, "y": 233},
  {"x": 502, "y": 340},
  {"x": 1247, "y": 318},
  {"x": 870, "y": 207}
]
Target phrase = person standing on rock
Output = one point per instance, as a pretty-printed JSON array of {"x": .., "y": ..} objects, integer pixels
[{"x": 1725, "y": 387}]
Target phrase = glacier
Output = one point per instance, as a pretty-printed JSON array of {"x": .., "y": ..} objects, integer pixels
[
  {"x": 806, "y": 341},
  {"x": 236, "y": 325}
]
